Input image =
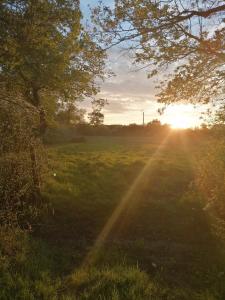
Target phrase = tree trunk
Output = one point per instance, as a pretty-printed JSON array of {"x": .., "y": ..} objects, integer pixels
[
  {"x": 41, "y": 131},
  {"x": 35, "y": 173},
  {"x": 42, "y": 117},
  {"x": 35, "y": 97}
]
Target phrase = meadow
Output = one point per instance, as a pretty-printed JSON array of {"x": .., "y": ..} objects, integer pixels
[{"x": 123, "y": 221}]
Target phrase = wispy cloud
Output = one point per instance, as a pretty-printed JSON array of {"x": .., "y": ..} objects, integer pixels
[{"x": 129, "y": 92}]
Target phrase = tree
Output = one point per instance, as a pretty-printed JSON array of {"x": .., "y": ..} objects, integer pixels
[
  {"x": 187, "y": 36},
  {"x": 154, "y": 123},
  {"x": 46, "y": 56},
  {"x": 45, "y": 51},
  {"x": 70, "y": 115},
  {"x": 96, "y": 117}
]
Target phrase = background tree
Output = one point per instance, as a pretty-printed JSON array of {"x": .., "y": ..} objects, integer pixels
[
  {"x": 154, "y": 123},
  {"x": 188, "y": 36},
  {"x": 96, "y": 117},
  {"x": 70, "y": 115}
]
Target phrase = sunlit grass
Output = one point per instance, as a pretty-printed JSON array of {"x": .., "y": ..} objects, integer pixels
[{"x": 127, "y": 202}]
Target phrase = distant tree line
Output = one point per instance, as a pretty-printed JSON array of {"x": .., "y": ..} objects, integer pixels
[{"x": 153, "y": 130}]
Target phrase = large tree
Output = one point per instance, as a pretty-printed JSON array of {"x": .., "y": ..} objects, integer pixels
[
  {"x": 46, "y": 57},
  {"x": 45, "y": 51},
  {"x": 186, "y": 38}
]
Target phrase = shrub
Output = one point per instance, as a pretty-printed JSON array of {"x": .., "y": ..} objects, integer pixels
[
  {"x": 23, "y": 274},
  {"x": 20, "y": 161},
  {"x": 210, "y": 177}
]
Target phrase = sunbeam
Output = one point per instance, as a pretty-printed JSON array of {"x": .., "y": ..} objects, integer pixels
[{"x": 124, "y": 204}]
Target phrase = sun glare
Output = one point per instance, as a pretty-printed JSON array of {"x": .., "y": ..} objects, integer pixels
[
  {"x": 181, "y": 116},
  {"x": 180, "y": 122}
]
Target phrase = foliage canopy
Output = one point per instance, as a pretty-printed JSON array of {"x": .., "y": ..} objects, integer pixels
[
  {"x": 44, "y": 49},
  {"x": 188, "y": 37}
]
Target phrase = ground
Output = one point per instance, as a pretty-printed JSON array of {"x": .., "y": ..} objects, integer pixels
[
  {"x": 124, "y": 221},
  {"x": 135, "y": 197}
]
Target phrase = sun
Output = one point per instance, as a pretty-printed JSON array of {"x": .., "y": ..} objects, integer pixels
[
  {"x": 181, "y": 116},
  {"x": 180, "y": 122}
]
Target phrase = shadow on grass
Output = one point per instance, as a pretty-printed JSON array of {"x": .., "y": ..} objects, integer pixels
[{"x": 160, "y": 230}]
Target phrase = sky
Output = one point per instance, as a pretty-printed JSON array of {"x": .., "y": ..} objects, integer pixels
[{"x": 129, "y": 93}]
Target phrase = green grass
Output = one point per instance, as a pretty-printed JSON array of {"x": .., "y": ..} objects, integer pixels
[
  {"x": 162, "y": 245},
  {"x": 92, "y": 178}
]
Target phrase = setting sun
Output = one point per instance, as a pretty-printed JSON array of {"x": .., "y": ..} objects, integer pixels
[
  {"x": 180, "y": 122},
  {"x": 181, "y": 116}
]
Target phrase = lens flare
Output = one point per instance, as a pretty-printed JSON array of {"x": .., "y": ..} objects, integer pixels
[{"x": 124, "y": 204}]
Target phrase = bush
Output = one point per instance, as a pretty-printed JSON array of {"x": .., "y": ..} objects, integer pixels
[
  {"x": 23, "y": 274},
  {"x": 20, "y": 161},
  {"x": 210, "y": 177}
]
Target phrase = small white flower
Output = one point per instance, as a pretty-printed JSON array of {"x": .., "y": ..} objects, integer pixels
[{"x": 54, "y": 174}]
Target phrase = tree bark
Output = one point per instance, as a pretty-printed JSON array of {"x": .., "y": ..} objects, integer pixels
[
  {"x": 35, "y": 97},
  {"x": 35, "y": 173},
  {"x": 41, "y": 131}
]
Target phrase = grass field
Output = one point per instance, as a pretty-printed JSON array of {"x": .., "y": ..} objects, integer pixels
[
  {"x": 124, "y": 222},
  {"x": 126, "y": 205}
]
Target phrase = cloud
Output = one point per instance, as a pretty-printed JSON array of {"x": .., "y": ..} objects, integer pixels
[
  {"x": 129, "y": 91},
  {"x": 120, "y": 103}
]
